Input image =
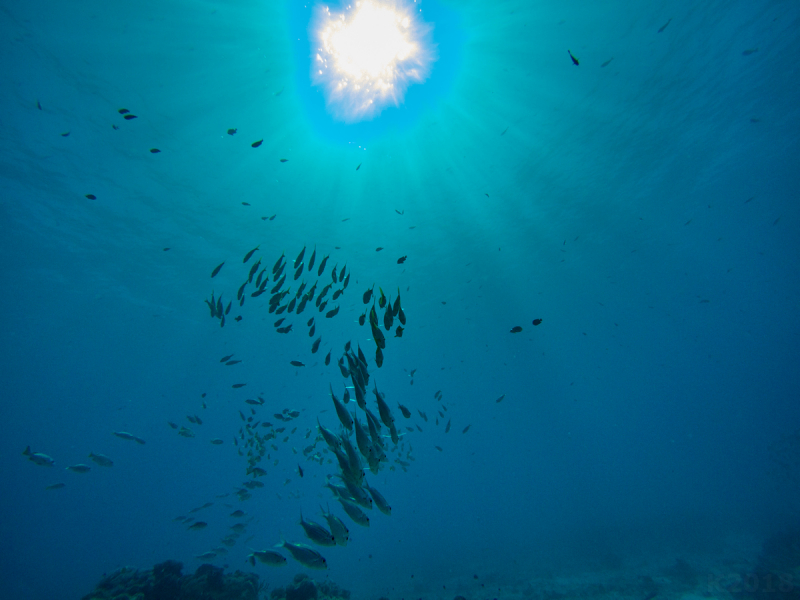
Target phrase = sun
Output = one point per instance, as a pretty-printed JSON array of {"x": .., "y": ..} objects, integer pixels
[{"x": 367, "y": 56}]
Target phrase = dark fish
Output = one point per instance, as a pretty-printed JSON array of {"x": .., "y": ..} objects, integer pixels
[
  {"x": 516, "y": 329},
  {"x": 65, "y": 134},
  {"x": 286, "y": 329},
  {"x": 260, "y": 277},
  {"x": 129, "y": 117},
  {"x": 401, "y": 260},
  {"x": 322, "y": 306},
  {"x": 278, "y": 285},
  {"x": 382, "y": 299},
  {"x": 238, "y": 385},
  {"x": 346, "y": 281},
  {"x": 299, "y": 258},
  {"x": 664, "y": 26},
  {"x": 504, "y": 132},
  {"x": 332, "y": 313},
  {"x": 447, "y": 427},
  {"x": 336, "y": 294},
  {"x": 296, "y": 363},
  {"x": 322, "y": 265},
  {"x": 315, "y": 345},
  {"x": 341, "y": 273},
  {"x": 298, "y": 272},
  {"x": 398, "y": 332},
  {"x": 257, "y": 144},
  {"x": 253, "y": 270},
  {"x": 300, "y": 470},
  {"x": 379, "y": 248},
  {"x": 333, "y": 274},
  {"x": 215, "y": 271},
  {"x": 328, "y": 359},
  {"x": 279, "y": 321},
  {"x": 231, "y": 131},
  {"x": 396, "y": 305},
  {"x": 537, "y": 321},
  {"x": 310, "y": 322},
  {"x": 284, "y": 159},
  {"x": 245, "y": 204},
  {"x": 362, "y": 318},
  {"x": 233, "y": 362},
  {"x": 239, "y": 317},
  {"x": 198, "y": 525},
  {"x": 358, "y": 167},
  {"x": 608, "y": 62},
  {"x": 500, "y": 399},
  {"x": 114, "y": 126},
  {"x": 312, "y": 259},
  {"x": 122, "y": 111},
  {"x": 91, "y": 196},
  {"x": 278, "y": 264},
  {"x": 228, "y": 308},
  {"x": 173, "y": 425},
  {"x": 404, "y": 410},
  {"x": 241, "y": 291},
  {"x": 272, "y": 218},
  {"x": 575, "y": 61},
  {"x": 154, "y": 150},
  {"x": 400, "y": 213},
  {"x": 368, "y": 295},
  {"x": 378, "y": 357},
  {"x": 466, "y": 429},
  {"x": 249, "y": 254}
]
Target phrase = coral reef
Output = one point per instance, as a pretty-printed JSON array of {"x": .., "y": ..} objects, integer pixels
[
  {"x": 305, "y": 588},
  {"x": 165, "y": 582}
]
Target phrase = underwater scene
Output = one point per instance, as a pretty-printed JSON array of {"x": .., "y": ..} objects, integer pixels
[{"x": 400, "y": 300}]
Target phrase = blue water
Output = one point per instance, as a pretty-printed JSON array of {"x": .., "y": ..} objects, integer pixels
[{"x": 646, "y": 210}]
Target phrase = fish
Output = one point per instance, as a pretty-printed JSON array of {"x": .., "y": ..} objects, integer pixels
[
  {"x": 379, "y": 248},
  {"x": 91, "y": 196},
  {"x": 216, "y": 270},
  {"x": 198, "y": 525},
  {"x": 537, "y": 321},
  {"x": 79, "y": 468},
  {"x": 575, "y": 61},
  {"x": 338, "y": 529},
  {"x": 354, "y": 512},
  {"x": 217, "y": 441},
  {"x": 315, "y": 345},
  {"x": 128, "y": 436},
  {"x": 447, "y": 427},
  {"x": 379, "y": 500},
  {"x": 406, "y": 413},
  {"x": 154, "y": 150},
  {"x": 358, "y": 167},
  {"x": 122, "y": 111},
  {"x": 173, "y": 425},
  {"x": 379, "y": 357},
  {"x": 466, "y": 429},
  {"x": 257, "y": 144},
  {"x": 332, "y": 313},
  {"x": 328, "y": 358},
  {"x": 283, "y": 160},
  {"x": 296, "y": 363},
  {"x": 233, "y": 362},
  {"x": 250, "y": 254},
  {"x": 322, "y": 265},
  {"x": 128, "y": 117},
  {"x": 232, "y": 131},
  {"x": 298, "y": 272},
  {"x": 317, "y": 533},
  {"x": 101, "y": 459},
  {"x": 238, "y": 385},
  {"x": 399, "y": 332},
  {"x": 206, "y": 555},
  {"x": 268, "y": 557},
  {"x": 401, "y": 260},
  {"x": 56, "y": 486},
  {"x": 299, "y": 470},
  {"x": 500, "y": 399},
  {"x": 664, "y": 26},
  {"x": 341, "y": 412},
  {"x": 304, "y": 555},
  {"x": 439, "y": 448},
  {"x": 300, "y": 256},
  {"x": 608, "y": 62},
  {"x": 238, "y": 514},
  {"x": 238, "y": 318},
  {"x": 186, "y": 432},
  {"x": 38, "y": 458},
  {"x": 516, "y": 329}
]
